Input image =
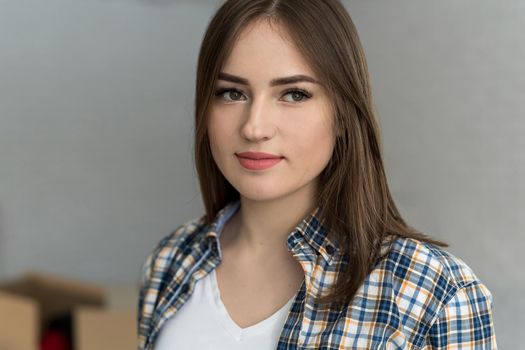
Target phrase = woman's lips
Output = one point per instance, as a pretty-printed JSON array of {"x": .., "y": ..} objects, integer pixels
[{"x": 258, "y": 160}]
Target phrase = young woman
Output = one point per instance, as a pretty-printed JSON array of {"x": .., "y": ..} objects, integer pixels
[{"x": 302, "y": 246}]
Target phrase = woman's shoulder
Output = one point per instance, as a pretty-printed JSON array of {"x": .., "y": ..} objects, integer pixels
[
  {"x": 414, "y": 261},
  {"x": 428, "y": 286},
  {"x": 430, "y": 295},
  {"x": 183, "y": 235},
  {"x": 423, "y": 277},
  {"x": 178, "y": 240}
]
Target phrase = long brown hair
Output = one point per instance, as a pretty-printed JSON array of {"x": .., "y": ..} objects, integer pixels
[{"x": 354, "y": 198}]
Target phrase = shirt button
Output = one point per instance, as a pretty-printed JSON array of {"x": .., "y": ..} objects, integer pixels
[{"x": 329, "y": 249}]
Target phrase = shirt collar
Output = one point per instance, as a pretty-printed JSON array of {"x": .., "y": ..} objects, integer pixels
[{"x": 309, "y": 230}]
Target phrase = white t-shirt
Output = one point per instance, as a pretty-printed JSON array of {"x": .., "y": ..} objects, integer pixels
[{"x": 204, "y": 323}]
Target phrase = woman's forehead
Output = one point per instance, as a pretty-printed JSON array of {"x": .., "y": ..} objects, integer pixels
[{"x": 264, "y": 49}]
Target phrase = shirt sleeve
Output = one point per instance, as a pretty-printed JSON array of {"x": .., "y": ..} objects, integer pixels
[{"x": 465, "y": 322}]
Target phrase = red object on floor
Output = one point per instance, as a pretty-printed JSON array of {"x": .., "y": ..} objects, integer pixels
[{"x": 54, "y": 339}]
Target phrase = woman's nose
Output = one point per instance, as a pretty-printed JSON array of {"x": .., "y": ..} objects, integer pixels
[{"x": 258, "y": 125}]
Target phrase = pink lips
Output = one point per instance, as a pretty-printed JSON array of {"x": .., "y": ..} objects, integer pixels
[{"x": 258, "y": 160}]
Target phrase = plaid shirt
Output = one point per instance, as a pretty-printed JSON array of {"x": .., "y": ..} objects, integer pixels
[{"x": 417, "y": 297}]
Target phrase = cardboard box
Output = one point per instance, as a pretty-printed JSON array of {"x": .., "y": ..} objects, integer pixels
[
  {"x": 104, "y": 329},
  {"x": 31, "y": 303},
  {"x": 18, "y": 322}
]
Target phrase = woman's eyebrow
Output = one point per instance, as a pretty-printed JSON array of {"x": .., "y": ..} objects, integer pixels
[{"x": 277, "y": 81}]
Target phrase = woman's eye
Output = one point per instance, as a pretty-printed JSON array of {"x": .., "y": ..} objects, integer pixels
[
  {"x": 297, "y": 96},
  {"x": 230, "y": 94}
]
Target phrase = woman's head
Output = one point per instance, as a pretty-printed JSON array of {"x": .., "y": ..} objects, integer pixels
[{"x": 325, "y": 42}]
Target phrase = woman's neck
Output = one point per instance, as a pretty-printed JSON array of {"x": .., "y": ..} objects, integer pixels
[{"x": 262, "y": 227}]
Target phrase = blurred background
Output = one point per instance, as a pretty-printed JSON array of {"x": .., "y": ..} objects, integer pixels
[{"x": 96, "y": 118}]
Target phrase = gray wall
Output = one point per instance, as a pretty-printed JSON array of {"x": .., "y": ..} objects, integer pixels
[{"x": 96, "y": 120}]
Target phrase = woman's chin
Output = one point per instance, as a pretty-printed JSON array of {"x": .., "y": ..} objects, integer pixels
[{"x": 259, "y": 196}]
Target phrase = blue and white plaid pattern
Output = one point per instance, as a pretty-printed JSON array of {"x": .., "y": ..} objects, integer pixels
[{"x": 417, "y": 297}]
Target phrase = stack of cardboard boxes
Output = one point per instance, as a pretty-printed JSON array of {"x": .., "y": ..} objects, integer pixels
[{"x": 37, "y": 309}]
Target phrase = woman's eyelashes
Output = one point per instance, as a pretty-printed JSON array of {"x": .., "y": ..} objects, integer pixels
[{"x": 295, "y": 95}]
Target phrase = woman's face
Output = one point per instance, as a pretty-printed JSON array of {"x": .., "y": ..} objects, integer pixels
[{"x": 260, "y": 107}]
